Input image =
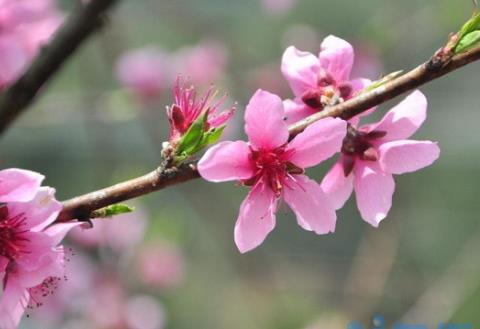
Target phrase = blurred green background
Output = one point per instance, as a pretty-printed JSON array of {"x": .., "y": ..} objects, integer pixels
[{"x": 422, "y": 265}]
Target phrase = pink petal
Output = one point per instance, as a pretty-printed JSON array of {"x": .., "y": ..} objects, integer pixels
[
  {"x": 359, "y": 84},
  {"x": 51, "y": 265},
  {"x": 337, "y": 186},
  {"x": 17, "y": 185},
  {"x": 37, "y": 253},
  {"x": 264, "y": 121},
  {"x": 13, "y": 57},
  {"x": 374, "y": 190},
  {"x": 300, "y": 69},
  {"x": 311, "y": 205},
  {"x": 256, "y": 219},
  {"x": 39, "y": 212},
  {"x": 403, "y": 120},
  {"x": 296, "y": 110},
  {"x": 336, "y": 57},
  {"x": 13, "y": 303},
  {"x": 58, "y": 232},
  {"x": 226, "y": 161},
  {"x": 318, "y": 142},
  {"x": 404, "y": 156}
]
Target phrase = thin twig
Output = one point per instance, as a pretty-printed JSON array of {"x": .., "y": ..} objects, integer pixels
[
  {"x": 82, "y": 206},
  {"x": 415, "y": 78},
  {"x": 81, "y": 24}
]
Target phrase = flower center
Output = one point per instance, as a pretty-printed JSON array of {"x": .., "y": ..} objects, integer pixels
[
  {"x": 327, "y": 92},
  {"x": 273, "y": 167},
  {"x": 12, "y": 239},
  {"x": 359, "y": 144}
]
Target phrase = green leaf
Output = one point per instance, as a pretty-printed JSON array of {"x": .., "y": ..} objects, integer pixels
[
  {"x": 194, "y": 135},
  {"x": 471, "y": 25},
  {"x": 468, "y": 42},
  {"x": 382, "y": 81},
  {"x": 112, "y": 210},
  {"x": 213, "y": 135}
]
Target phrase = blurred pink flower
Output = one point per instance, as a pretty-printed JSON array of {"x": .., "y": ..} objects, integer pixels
[
  {"x": 111, "y": 307},
  {"x": 144, "y": 312},
  {"x": 203, "y": 63},
  {"x": 367, "y": 61},
  {"x": 31, "y": 260},
  {"x": 268, "y": 77},
  {"x": 72, "y": 295},
  {"x": 161, "y": 265},
  {"x": 121, "y": 233},
  {"x": 274, "y": 168},
  {"x": 25, "y": 26},
  {"x": 278, "y": 7},
  {"x": 319, "y": 81},
  {"x": 371, "y": 155},
  {"x": 187, "y": 108},
  {"x": 145, "y": 72},
  {"x": 106, "y": 302}
]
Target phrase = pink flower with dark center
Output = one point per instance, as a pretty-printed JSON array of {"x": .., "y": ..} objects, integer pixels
[
  {"x": 187, "y": 108},
  {"x": 274, "y": 168},
  {"x": 320, "y": 81},
  {"x": 373, "y": 153},
  {"x": 31, "y": 260}
]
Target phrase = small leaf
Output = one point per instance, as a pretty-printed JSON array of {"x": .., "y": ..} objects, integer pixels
[
  {"x": 213, "y": 135},
  {"x": 112, "y": 210},
  {"x": 209, "y": 137},
  {"x": 468, "y": 42},
  {"x": 193, "y": 136},
  {"x": 377, "y": 83},
  {"x": 471, "y": 25}
]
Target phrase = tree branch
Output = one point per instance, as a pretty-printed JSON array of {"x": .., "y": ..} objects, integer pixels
[
  {"x": 81, "y": 24},
  {"x": 415, "y": 78},
  {"x": 81, "y": 207}
]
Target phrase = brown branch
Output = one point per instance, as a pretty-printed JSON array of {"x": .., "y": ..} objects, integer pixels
[
  {"x": 415, "y": 78},
  {"x": 81, "y": 207},
  {"x": 81, "y": 24}
]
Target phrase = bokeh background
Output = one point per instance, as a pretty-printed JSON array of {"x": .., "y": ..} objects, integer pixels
[{"x": 173, "y": 262}]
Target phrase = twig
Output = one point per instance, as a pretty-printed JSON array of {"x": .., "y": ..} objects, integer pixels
[
  {"x": 82, "y": 206},
  {"x": 82, "y": 23},
  {"x": 415, "y": 78}
]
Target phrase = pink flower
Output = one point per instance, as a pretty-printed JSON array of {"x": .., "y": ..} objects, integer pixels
[
  {"x": 17, "y": 185},
  {"x": 371, "y": 155},
  {"x": 202, "y": 63},
  {"x": 161, "y": 265},
  {"x": 31, "y": 260},
  {"x": 278, "y": 7},
  {"x": 145, "y": 72},
  {"x": 187, "y": 108},
  {"x": 25, "y": 26},
  {"x": 319, "y": 82},
  {"x": 119, "y": 237},
  {"x": 274, "y": 168}
]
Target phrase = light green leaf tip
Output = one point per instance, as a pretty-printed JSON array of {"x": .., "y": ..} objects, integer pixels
[{"x": 112, "y": 210}]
